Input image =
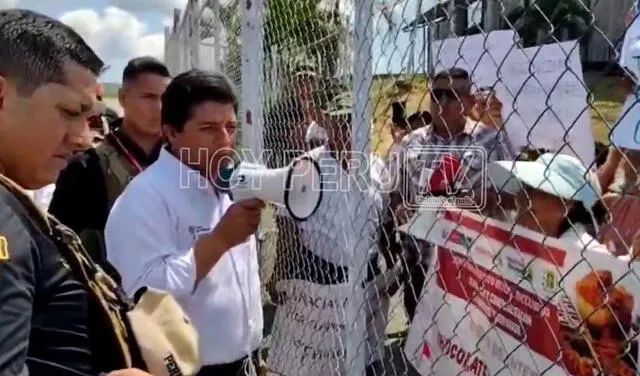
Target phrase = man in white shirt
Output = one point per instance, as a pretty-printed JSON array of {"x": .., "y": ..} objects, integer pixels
[
  {"x": 172, "y": 230},
  {"x": 314, "y": 256}
]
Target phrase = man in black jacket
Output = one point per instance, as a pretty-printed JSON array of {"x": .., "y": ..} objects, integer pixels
[
  {"x": 47, "y": 314},
  {"x": 88, "y": 187}
]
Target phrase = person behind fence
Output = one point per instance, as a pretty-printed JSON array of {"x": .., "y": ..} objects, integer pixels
[
  {"x": 622, "y": 198},
  {"x": 619, "y": 180},
  {"x": 453, "y": 130},
  {"x": 401, "y": 125},
  {"x": 88, "y": 187},
  {"x": 55, "y": 318},
  {"x": 556, "y": 196},
  {"x": 314, "y": 258},
  {"x": 487, "y": 108},
  {"x": 172, "y": 229},
  {"x": 399, "y": 128}
]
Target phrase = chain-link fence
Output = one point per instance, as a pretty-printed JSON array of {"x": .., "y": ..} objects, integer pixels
[{"x": 426, "y": 255}]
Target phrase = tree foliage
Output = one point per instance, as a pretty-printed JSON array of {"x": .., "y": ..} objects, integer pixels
[
  {"x": 305, "y": 32},
  {"x": 547, "y": 21}
]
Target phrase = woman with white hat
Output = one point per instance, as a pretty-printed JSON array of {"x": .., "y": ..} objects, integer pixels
[{"x": 554, "y": 195}]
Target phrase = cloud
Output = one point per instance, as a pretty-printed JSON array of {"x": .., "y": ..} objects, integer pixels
[
  {"x": 115, "y": 33},
  {"x": 4, "y": 4},
  {"x": 137, "y": 6}
]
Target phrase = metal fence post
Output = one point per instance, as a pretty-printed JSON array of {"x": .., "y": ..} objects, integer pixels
[
  {"x": 361, "y": 129},
  {"x": 252, "y": 55}
]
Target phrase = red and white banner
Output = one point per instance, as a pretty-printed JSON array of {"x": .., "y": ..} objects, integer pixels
[{"x": 505, "y": 300}]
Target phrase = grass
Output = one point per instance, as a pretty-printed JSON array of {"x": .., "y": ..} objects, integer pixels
[
  {"x": 608, "y": 97},
  {"x": 607, "y": 94}
]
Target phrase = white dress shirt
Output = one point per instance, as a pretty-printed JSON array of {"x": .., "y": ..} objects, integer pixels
[
  {"x": 149, "y": 237},
  {"x": 42, "y": 197}
]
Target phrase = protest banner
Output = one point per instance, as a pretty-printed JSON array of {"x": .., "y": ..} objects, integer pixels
[
  {"x": 503, "y": 299},
  {"x": 541, "y": 88},
  {"x": 481, "y": 55},
  {"x": 626, "y": 131},
  {"x": 628, "y": 58},
  {"x": 312, "y": 327},
  {"x": 550, "y": 107}
]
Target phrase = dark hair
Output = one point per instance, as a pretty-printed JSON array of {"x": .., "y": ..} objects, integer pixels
[
  {"x": 398, "y": 113},
  {"x": 191, "y": 89},
  {"x": 34, "y": 49},
  {"x": 579, "y": 215},
  {"x": 144, "y": 65},
  {"x": 453, "y": 73},
  {"x": 602, "y": 152},
  {"x": 424, "y": 116}
]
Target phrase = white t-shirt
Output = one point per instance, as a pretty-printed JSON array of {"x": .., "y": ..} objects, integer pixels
[
  {"x": 334, "y": 228},
  {"x": 42, "y": 197},
  {"x": 346, "y": 226}
]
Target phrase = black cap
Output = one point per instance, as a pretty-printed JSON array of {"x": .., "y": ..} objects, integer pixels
[{"x": 425, "y": 116}]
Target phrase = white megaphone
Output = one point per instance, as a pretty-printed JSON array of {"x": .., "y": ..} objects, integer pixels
[{"x": 297, "y": 187}]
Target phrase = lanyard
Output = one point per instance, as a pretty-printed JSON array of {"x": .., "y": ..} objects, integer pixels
[{"x": 128, "y": 154}]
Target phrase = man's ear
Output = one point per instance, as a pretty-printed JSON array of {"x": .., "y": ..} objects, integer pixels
[
  {"x": 3, "y": 91},
  {"x": 121, "y": 97},
  {"x": 169, "y": 133}
]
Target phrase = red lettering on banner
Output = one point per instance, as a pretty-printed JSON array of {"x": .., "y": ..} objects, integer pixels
[
  {"x": 554, "y": 255},
  {"x": 511, "y": 308},
  {"x": 467, "y": 360},
  {"x": 426, "y": 351}
]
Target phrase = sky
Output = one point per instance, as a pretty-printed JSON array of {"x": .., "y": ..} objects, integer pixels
[{"x": 119, "y": 30}]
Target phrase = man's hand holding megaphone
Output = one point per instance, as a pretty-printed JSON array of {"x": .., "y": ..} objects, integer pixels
[{"x": 239, "y": 222}]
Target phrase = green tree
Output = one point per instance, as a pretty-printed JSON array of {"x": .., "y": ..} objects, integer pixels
[
  {"x": 303, "y": 32},
  {"x": 299, "y": 32},
  {"x": 546, "y": 21},
  {"x": 230, "y": 18}
]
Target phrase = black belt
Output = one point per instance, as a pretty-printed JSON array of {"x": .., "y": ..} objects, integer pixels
[{"x": 236, "y": 368}]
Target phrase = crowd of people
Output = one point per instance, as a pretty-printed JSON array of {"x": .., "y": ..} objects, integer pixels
[{"x": 122, "y": 232}]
